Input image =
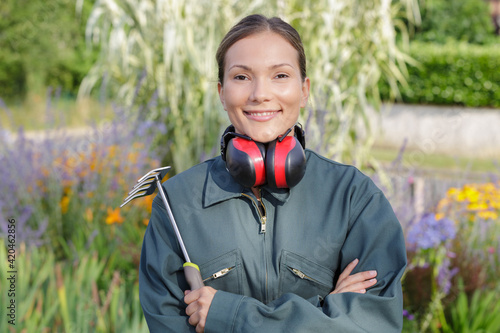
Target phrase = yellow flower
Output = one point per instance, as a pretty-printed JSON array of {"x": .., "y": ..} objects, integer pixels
[
  {"x": 488, "y": 214},
  {"x": 477, "y": 206},
  {"x": 114, "y": 216},
  {"x": 439, "y": 216},
  {"x": 145, "y": 221},
  {"x": 452, "y": 192},
  {"x": 470, "y": 193}
]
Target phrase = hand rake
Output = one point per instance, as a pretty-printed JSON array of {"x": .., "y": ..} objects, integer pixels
[{"x": 146, "y": 186}]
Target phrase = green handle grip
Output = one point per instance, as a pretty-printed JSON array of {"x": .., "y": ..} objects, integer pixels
[{"x": 193, "y": 276}]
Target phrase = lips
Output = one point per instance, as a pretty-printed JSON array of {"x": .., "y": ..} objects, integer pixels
[{"x": 261, "y": 115}]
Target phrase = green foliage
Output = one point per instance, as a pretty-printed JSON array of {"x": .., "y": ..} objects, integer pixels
[
  {"x": 475, "y": 314},
  {"x": 159, "y": 55},
  {"x": 41, "y": 44},
  {"x": 80, "y": 296},
  {"x": 455, "y": 73},
  {"x": 458, "y": 20}
]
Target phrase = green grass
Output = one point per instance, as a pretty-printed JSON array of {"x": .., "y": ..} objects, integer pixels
[
  {"x": 439, "y": 162},
  {"x": 40, "y": 113}
]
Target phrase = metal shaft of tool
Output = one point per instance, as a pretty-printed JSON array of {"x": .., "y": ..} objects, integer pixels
[{"x": 172, "y": 219}]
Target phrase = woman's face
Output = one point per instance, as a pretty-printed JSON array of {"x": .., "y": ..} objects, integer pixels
[{"x": 263, "y": 91}]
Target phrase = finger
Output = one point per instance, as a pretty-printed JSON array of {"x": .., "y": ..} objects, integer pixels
[
  {"x": 359, "y": 287},
  {"x": 191, "y": 309},
  {"x": 355, "y": 278},
  {"x": 186, "y": 292},
  {"x": 200, "y": 329},
  {"x": 194, "y": 318},
  {"x": 349, "y": 268},
  {"x": 192, "y": 296}
]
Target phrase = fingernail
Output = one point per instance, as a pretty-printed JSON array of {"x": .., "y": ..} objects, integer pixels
[
  {"x": 362, "y": 291},
  {"x": 372, "y": 280},
  {"x": 373, "y": 273}
]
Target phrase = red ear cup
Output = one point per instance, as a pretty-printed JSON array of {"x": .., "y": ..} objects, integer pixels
[
  {"x": 245, "y": 161},
  {"x": 282, "y": 162},
  {"x": 285, "y": 162}
]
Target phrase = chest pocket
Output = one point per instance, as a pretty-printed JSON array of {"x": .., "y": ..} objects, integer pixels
[
  {"x": 303, "y": 277},
  {"x": 224, "y": 272}
]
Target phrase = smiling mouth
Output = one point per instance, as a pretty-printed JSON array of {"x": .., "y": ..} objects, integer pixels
[{"x": 260, "y": 113}]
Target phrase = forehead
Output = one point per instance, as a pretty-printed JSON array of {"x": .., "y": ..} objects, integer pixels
[{"x": 265, "y": 48}]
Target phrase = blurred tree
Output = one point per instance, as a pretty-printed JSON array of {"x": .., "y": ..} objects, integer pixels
[
  {"x": 159, "y": 56},
  {"x": 41, "y": 43}
]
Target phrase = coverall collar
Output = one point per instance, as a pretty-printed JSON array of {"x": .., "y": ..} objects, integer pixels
[{"x": 220, "y": 186}]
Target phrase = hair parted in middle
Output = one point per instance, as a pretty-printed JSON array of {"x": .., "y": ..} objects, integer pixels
[{"x": 254, "y": 24}]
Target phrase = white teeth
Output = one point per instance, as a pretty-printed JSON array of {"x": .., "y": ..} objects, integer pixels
[{"x": 261, "y": 114}]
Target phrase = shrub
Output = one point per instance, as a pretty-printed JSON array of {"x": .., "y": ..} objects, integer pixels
[
  {"x": 455, "y": 73},
  {"x": 459, "y": 20}
]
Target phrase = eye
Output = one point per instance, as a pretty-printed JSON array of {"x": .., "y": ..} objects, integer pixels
[
  {"x": 240, "y": 77},
  {"x": 282, "y": 76}
]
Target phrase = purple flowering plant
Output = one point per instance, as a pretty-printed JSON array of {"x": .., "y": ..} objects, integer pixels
[{"x": 64, "y": 185}]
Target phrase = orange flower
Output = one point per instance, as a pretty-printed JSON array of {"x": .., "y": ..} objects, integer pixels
[
  {"x": 89, "y": 215},
  {"x": 64, "y": 204},
  {"x": 114, "y": 216},
  {"x": 147, "y": 202}
]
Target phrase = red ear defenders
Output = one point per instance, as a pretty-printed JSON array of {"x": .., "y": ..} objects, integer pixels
[{"x": 280, "y": 163}]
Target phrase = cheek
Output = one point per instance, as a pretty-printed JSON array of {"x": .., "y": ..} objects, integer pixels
[
  {"x": 236, "y": 97},
  {"x": 291, "y": 97}
]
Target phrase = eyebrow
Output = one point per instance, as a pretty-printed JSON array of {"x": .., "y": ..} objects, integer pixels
[{"x": 270, "y": 67}]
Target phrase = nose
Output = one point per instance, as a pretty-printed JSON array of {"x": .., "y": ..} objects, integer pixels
[{"x": 260, "y": 91}]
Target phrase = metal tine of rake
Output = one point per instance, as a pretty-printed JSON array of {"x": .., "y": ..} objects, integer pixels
[{"x": 146, "y": 185}]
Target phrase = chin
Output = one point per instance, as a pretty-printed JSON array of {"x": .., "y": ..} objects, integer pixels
[{"x": 265, "y": 137}]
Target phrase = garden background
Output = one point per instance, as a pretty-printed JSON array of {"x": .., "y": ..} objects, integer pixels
[{"x": 95, "y": 93}]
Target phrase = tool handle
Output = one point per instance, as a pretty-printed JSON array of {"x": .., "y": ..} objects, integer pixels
[{"x": 193, "y": 276}]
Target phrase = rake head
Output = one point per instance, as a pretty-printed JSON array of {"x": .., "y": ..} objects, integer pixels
[{"x": 146, "y": 185}]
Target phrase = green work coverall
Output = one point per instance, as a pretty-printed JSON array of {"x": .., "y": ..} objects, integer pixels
[{"x": 274, "y": 267}]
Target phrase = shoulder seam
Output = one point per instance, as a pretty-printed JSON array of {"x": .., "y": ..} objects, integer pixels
[{"x": 357, "y": 210}]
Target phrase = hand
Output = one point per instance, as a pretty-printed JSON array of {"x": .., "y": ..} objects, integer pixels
[
  {"x": 356, "y": 283},
  {"x": 198, "y": 302}
]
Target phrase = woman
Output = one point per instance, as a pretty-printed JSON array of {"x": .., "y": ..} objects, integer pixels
[{"x": 316, "y": 249}]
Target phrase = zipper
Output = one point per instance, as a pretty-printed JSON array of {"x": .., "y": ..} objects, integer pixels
[
  {"x": 262, "y": 217},
  {"x": 301, "y": 275},
  {"x": 263, "y": 220},
  {"x": 219, "y": 274}
]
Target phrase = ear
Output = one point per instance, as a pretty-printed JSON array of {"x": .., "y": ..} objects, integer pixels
[
  {"x": 220, "y": 88},
  {"x": 306, "y": 86}
]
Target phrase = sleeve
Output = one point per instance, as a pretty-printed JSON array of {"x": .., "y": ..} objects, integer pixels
[
  {"x": 375, "y": 237},
  {"x": 161, "y": 277}
]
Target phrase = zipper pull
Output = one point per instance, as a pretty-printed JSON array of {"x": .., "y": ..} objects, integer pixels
[
  {"x": 298, "y": 273},
  {"x": 220, "y": 273},
  {"x": 263, "y": 221}
]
